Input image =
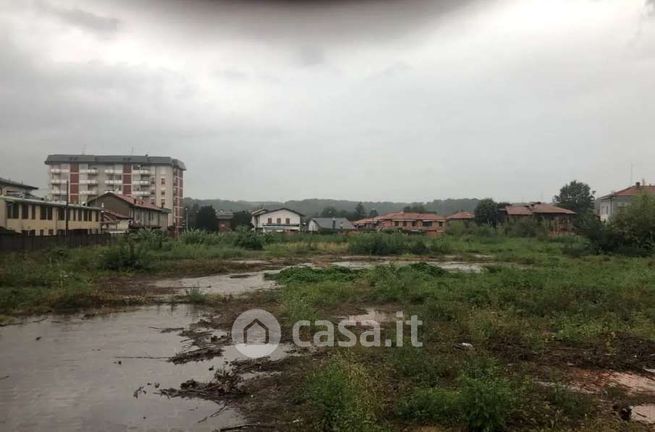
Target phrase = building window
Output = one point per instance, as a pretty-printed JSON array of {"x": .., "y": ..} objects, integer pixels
[
  {"x": 287, "y": 221},
  {"x": 279, "y": 221},
  {"x": 396, "y": 223},
  {"x": 163, "y": 181},
  {"x": 61, "y": 214},
  {"x": 50, "y": 232},
  {"x": 270, "y": 221},
  {"x": 24, "y": 211},
  {"x": 12, "y": 211},
  {"x": 49, "y": 212},
  {"x": 33, "y": 212},
  {"x": 43, "y": 213},
  {"x": 427, "y": 224}
]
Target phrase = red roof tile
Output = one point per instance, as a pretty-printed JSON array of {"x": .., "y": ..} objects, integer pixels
[
  {"x": 411, "y": 216},
  {"x": 461, "y": 216},
  {"x": 536, "y": 208},
  {"x": 633, "y": 191}
]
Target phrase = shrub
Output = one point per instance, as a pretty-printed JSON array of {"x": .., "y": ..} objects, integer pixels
[
  {"x": 526, "y": 227},
  {"x": 343, "y": 396},
  {"x": 487, "y": 402},
  {"x": 431, "y": 405},
  {"x": 631, "y": 232},
  {"x": 248, "y": 239},
  {"x": 377, "y": 244},
  {"x": 126, "y": 255}
]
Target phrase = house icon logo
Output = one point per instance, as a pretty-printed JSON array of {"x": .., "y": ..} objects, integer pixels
[{"x": 256, "y": 333}]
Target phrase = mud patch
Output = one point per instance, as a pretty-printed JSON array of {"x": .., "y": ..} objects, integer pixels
[
  {"x": 224, "y": 284},
  {"x": 644, "y": 414}
]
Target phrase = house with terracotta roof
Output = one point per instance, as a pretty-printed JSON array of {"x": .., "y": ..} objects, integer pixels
[
  {"x": 409, "y": 222},
  {"x": 141, "y": 214},
  {"x": 559, "y": 220},
  {"x": 611, "y": 204}
]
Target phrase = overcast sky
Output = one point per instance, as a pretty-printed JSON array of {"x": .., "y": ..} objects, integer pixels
[{"x": 371, "y": 100}]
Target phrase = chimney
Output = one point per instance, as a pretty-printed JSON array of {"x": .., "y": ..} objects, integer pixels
[{"x": 638, "y": 184}]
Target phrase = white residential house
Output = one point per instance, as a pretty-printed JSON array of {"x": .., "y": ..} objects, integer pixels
[
  {"x": 610, "y": 205},
  {"x": 278, "y": 220}
]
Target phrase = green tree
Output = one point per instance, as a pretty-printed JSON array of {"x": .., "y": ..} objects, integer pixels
[
  {"x": 329, "y": 212},
  {"x": 576, "y": 196},
  {"x": 486, "y": 212},
  {"x": 241, "y": 219},
  {"x": 206, "y": 219},
  {"x": 415, "y": 208},
  {"x": 360, "y": 212},
  {"x": 635, "y": 224},
  {"x": 373, "y": 213}
]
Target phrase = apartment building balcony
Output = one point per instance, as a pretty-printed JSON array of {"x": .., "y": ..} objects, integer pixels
[
  {"x": 89, "y": 182},
  {"x": 141, "y": 193},
  {"x": 141, "y": 182},
  {"x": 89, "y": 171},
  {"x": 113, "y": 182},
  {"x": 58, "y": 181},
  {"x": 89, "y": 192},
  {"x": 113, "y": 171},
  {"x": 141, "y": 171},
  {"x": 59, "y": 171},
  {"x": 58, "y": 191}
]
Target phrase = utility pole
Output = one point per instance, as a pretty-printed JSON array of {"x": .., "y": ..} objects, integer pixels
[{"x": 68, "y": 192}]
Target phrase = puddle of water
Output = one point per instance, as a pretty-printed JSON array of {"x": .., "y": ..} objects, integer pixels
[
  {"x": 224, "y": 284},
  {"x": 466, "y": 267},
  {"x": 644, "y": 414},
  {"x": 63, "y": 374}
]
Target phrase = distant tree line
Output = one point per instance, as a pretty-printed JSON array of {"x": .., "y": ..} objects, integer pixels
[{"x": 205, "y": 218}]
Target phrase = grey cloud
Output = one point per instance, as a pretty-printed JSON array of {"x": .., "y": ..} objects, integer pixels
[
  {"x": 311, "y": 55},
  {"x": 81, "y": 18}
]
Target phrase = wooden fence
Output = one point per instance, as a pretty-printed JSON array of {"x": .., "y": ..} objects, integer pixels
[{"x": 19, "y": 243}]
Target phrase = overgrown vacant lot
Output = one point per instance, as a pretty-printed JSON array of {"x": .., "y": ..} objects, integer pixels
[{"x": 521, "y": 345}]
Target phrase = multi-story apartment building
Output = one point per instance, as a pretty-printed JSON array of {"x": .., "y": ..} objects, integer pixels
[{"x": 158, "y": 180}]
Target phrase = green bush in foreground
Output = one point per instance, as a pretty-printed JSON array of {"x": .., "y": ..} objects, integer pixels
[
  {"x": 341, "y": 393},
  {"x": 126, "y": 255}
]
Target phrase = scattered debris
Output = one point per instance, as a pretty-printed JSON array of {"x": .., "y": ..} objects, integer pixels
[
  {"x": 464, "y": 346},
  {"x": 138, "y": 391},
  {"x": 38, "y": 338}
]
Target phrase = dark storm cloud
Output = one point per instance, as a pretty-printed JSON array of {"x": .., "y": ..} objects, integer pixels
[
  {"x": 80, "y": 18},
  {"x": 304, "y": 21}
]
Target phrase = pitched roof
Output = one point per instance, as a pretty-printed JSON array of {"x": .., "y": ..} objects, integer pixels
[
  {"x": 463, "y": 215},
  {"x": 339, "y": 223},
  {"x": 112, "y": 216},
  {"x": 134, "y": 202},
  {"x": 115, "y": 159},
  {"x": 535, "y": 208},
  {"x": 401, "y": 215},
  {"x": 364, "y": 221},
  {"x": 632, "y": 191},
  {"x": 9, "y": 182},
  {"x": 542, "y": 208},
  {"x": 265, "y": 211}
]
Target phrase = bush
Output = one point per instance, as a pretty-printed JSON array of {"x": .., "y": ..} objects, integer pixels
[
  {"x": 431, "y": 405},
  {"x": 631, "y": 232},
  {"x": 526, "y": 227},
  {"x": 343, "y": 396},
  {"x": 486, "y": 402},
  {"x": 377, "y": 244},
  {"x": 126, "y": 255},
  {"x": 248, "y": 239}
]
